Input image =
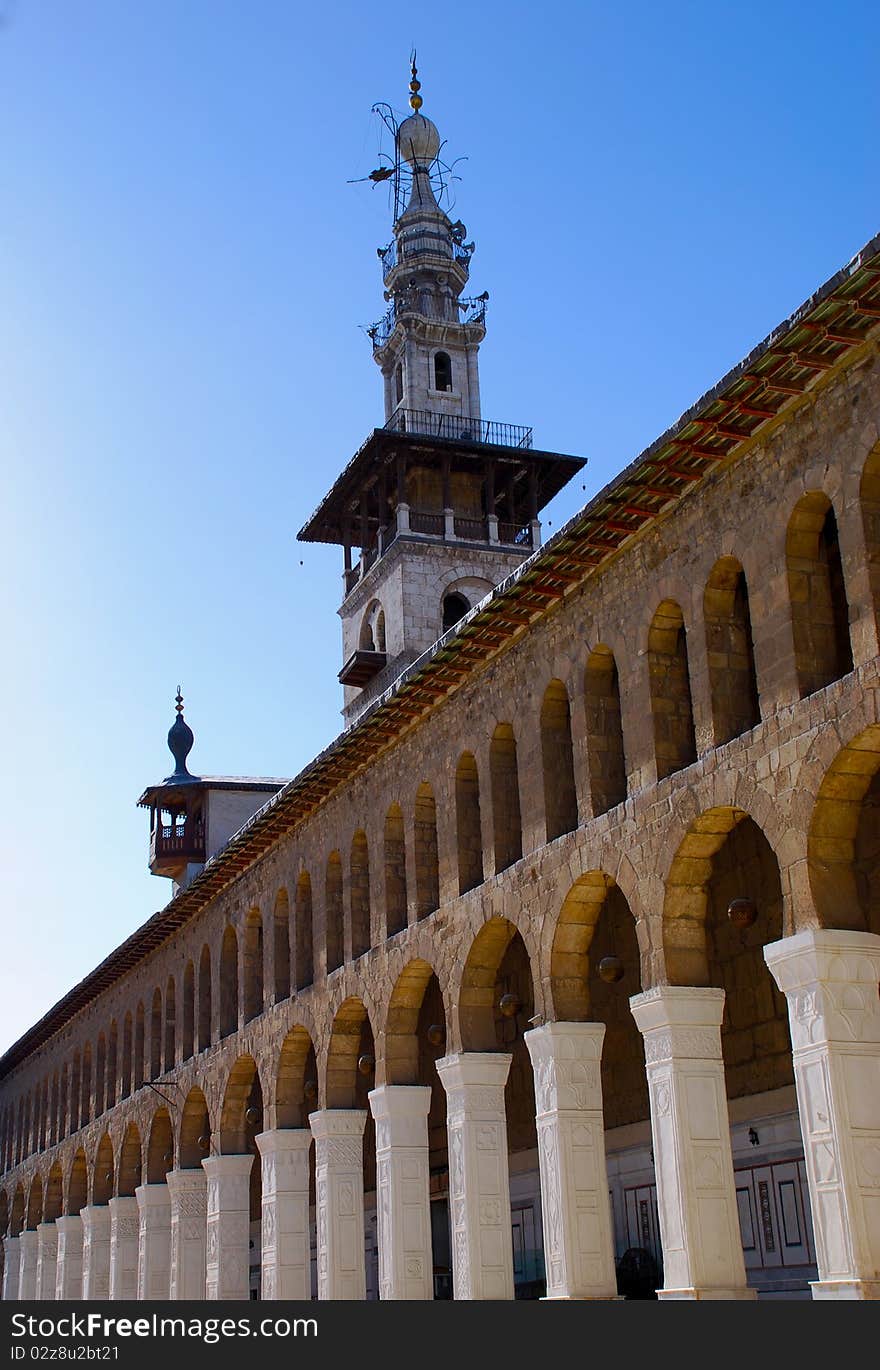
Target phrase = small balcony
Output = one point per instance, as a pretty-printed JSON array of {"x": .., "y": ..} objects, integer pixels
[
  {"x": 361, "y": 667},
  {"x": 459, "y": 428},
  {"x": 176, "y": 844}
]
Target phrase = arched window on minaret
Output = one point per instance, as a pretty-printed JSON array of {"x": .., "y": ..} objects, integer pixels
[
  {"x": 442, "y": 371},
  {"x": 398, "y": 382},
  {"x": 455, "y": 606}
]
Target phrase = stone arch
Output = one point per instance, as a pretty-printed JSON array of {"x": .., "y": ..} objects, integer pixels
[
  {"x": 170, "y": 1023},
  {"x": 359, "y": 893},
  {"x": 733, "y": 683},
  {"x": 394, "y": 846},
  {"x": 77, "y": 1183},
  {"x": 228, "y": 982},
  {"x": 573, "y": 957},
  {"x": 843, "y": 843},
  {"x": 252, "y": 964},
  {"x": 103, "y": 1171},
  {"x": 112, "y": 1066},
  {"x": 130, "y": 1162},
  {"x": 468, "y": 826},
  {"x": 4, "y": 1215},
  {"x": 281, "y": 945},
  {"x": 817, "y": 593},
  {"x": 188, "y": 1012},
  {"x": 53, "y": 1200},
  {"x": 304, "y": 964},
  {"x": 127, "y": 1056},
  {"x": 100, "y": 1077},
  {"x": 351, "y": 1037},
  {"x": 138, "y": 1057},
  {"x": 17, "y": 1212},
  {"x": 371, "y": 637},
  {"x": 75, "y": 1100},
  {"x": 241, "y": 1116},
  {"x": 194, "y": 1140},
  {"x": 869, "y": 499},
  {"x": 334, "y": 932},
  {"x": 476, "y": 1000},
  {"x": 669, "y": 678},
  {"x": 85, "y": 1107},
  {"x": 557, "y": 755},
  {"x": 426, "y": 851},
  {"x": 156, "y": 1035},
  {"x": 205, "y": 997},
  {"x": 606, "y": 761},
  {"x": 160, "y": 1147},
  {"x": 504, "y": 780},
  {"x": 401, "y": 1023},
  {"x": 296, "y": 1068},
  {"x": 35, "y": 1203}
]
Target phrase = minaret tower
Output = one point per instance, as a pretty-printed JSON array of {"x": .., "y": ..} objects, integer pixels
[
  {"x": 442, "y": 503},
  {"x": 428, "y": 341}
]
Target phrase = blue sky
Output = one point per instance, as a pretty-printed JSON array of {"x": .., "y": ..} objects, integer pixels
[{"x": 183, "y": 272}]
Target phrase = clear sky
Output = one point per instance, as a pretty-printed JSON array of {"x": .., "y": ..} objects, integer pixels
[{"x": 183, "y": 272}]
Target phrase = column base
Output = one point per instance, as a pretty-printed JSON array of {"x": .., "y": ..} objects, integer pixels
[
  {"x": 708, "y": 1293},
  {"x": 845, "y": 1289},
  {"x": 581, "y": 1298}
]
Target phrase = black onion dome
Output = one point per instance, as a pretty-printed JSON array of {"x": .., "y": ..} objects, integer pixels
[{"x": 180, "y": 744}]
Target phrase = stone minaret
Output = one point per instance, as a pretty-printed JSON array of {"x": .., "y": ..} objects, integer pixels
[{"x": 442, "y": 503}]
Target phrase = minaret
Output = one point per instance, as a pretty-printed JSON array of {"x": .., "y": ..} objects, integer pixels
[
  {"x": 193, "y": 816},
  {"x": 442, "y": 503},
  {"x": 427, "y": 343}
]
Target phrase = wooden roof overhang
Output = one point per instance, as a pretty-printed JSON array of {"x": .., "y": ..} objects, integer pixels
[
  {"x": 342, "y": 503},
  {"x": 828, "y": 327}
]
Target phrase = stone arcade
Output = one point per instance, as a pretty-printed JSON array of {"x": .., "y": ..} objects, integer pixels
[{"x": 556, "y": 974}]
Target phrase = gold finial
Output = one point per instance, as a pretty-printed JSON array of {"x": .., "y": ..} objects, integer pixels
[
  {"x": 415, "y": 86},
  {"x": 178, "y": 708}
]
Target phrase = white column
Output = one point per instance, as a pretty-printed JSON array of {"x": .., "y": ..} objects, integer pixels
[
  {"x": 154, "y": 1241},
  {"x": 339, "y": 1186},
  {"x": 124, "y": 1227},
  {"x": 406, "y": 1266},
  {"x": 284, "y": 1241},
  {"x": 47, "y": 1260},
  {"x": 228, "y": 1264},
  {"x": 11, "y": 1267},
  {"x": 27, "y": 1279},
  {"x": 576, "y": 1209},
  {"x": 188, "y": 1190},
  {"x": 696, "y": 1195},
  {"x": 829, "y": 978},
  {"x": 479, "y": 1186},
  {"x": 96, "y": 1252},
  {"x": 69, "y": 1273}
]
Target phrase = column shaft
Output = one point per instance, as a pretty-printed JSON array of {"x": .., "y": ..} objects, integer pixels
[
  {"x": 27, "y": 1280},
  {"x": 154, "y": 1241},
  {"x": 578, "y": 1236},
  {"x": 188, "y": 1190},
  {"x": 69, "y": 1273},
  {"x": 47, "y": 1260},
  {"x": 285, "y": 1244},
  {"x": 339, "y": 1185},
  {"x": 829, "y": 978},
  {"x": 696, "y": 1195},
  {"x": 11, "y": 1268},
  {"x": 96, "y": 1252},
  {"x": 228, "y": 1262},
  {"x": 479, "y": 1184},
  {"x": 124, "y": 1231},
  {"x": 403, "y": 1191}
]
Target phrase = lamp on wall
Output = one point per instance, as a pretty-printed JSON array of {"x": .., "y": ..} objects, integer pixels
[
  {"x": 436, "y": 1034},
  {"x": 742, "y": 912},
  {"x": 509, "y": 1005},
  {"x": 610, "y": 969},
  {"x": 310, "y": 1091},
  {"x": 366, "y": 1063}
]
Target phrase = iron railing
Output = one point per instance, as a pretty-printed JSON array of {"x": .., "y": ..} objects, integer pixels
[
  {"x": 422, "y": 244},
  {"x": 472, "y": 311},
  {"x": 458, "y": 428}
]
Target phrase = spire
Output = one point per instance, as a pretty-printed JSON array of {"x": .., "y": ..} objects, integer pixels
[
  {"x": 415, "y": 86},
  {"x": 180, "y": 743}
]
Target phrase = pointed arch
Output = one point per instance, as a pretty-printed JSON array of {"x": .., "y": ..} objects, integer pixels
[
  {"x": 304, "y": 958},
  {"x": 188, "y": 1026},
  {"x": 100, "y": 1075},
  {"x": 195, "y": 1130},
  {"x": 156, "y": 1035},
  {"x": 112, "y": 1065},
  {"x": 350, "y": 1037},
  {"x": 426, "y": 853},
  {"x": 869, "y": 498},
  {"x": 296, "y": 1066},
  {"x": 733, "y": 684},
  {"x": 241, "y": 1117},
  {"x": 170, "y": 1024},
  {"x": 468, "y": 825},
  {"x": 130, "y": 1162},
  {"x": 557, "y": 754},
  {"x": 843, "y": 843},
  {"x": 103, "y": 1171},
  {"x": 127, "y": 1055},
  {"x": 53, "y": 1202},
  {"x": 395, "y": 871},
  {"x": 675, "y": 743},
  {"x": 605, "y": 753},
  {"x": 819, "y": 608},
  {"x": 504, "y": 779},
  {"x": 77, "y": 1184},
  {"x": 160, "y": 1147},
  {"x": 138, "y": 1055}
]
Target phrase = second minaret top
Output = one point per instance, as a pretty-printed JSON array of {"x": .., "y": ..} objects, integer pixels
[{"x": 427, "y": 343}]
